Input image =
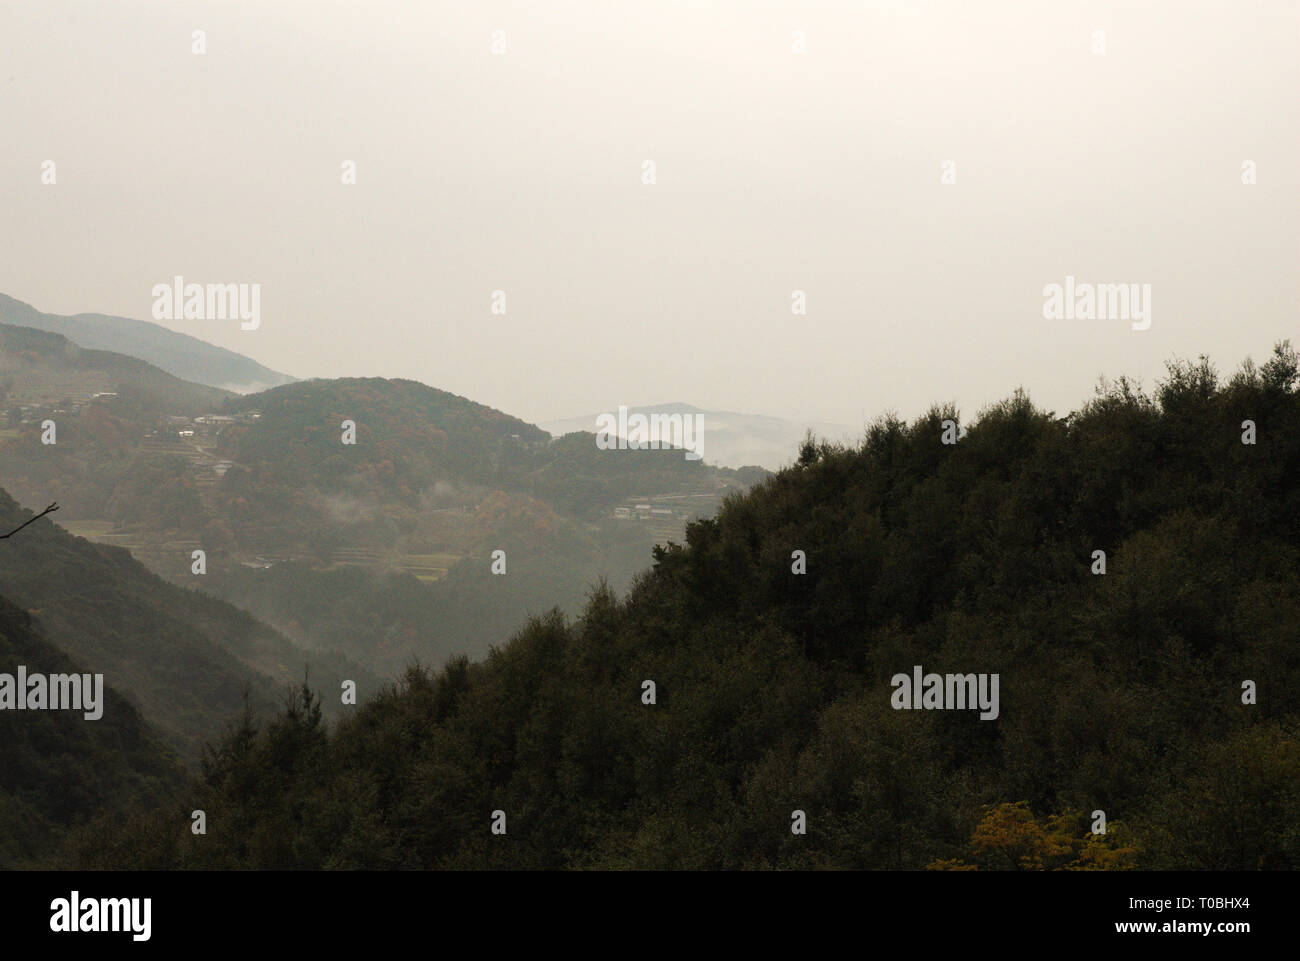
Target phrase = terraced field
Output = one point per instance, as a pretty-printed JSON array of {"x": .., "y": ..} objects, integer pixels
[
  {"x": 89, "y": 529},
  {"x": 42, "y": 385},
  {"x": 428, "y": 567}
]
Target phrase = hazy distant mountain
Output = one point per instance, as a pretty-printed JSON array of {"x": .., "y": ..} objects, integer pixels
[
  {"x": 37, "y": 366},
  {"x": 731, "y": 439},
  {"x": 179, "y": 354}
]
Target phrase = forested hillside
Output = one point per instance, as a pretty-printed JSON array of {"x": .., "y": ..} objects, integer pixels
[
  {"x": 410, "y": 436},
  {"x": 1121, "y": 691},
  {"x": 58, "y": 769}
]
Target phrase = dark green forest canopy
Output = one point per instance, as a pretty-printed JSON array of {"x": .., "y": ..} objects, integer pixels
[{"x": 1120, "y": 692}]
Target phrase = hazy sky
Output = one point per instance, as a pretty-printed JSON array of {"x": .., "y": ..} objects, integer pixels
[{"x": 775, "y": 171}]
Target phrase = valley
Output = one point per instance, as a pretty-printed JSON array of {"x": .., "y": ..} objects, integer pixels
[{"x": 291, "y": 523}]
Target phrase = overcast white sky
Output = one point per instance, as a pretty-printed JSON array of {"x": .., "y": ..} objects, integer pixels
[{"x": 775, "y": 172}]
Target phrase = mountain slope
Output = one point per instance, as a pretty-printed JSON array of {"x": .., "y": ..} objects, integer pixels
[
  {"x": 56, "y": 768},
  {"x": 183, "y": 657},
  {"x": 41, "y": 367},
  {"x": 178, "y": 354}
]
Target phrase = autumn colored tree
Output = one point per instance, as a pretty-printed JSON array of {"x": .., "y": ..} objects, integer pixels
[{"x": 1011, "y": 838}]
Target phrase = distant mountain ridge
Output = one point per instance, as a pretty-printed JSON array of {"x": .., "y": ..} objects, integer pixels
[
  {"x": 178, "y": 354},
  {"x": 731, "y": 439}
]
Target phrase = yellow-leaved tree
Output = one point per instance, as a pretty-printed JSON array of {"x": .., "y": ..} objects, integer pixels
[{"x": 1011, "y": 838}]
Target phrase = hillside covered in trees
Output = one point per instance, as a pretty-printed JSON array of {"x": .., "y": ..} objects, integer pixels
[
  {"x": 56, "y": 768},
  {"x": 1121, "y": 691},
  {"x": 410, "y": 436}
]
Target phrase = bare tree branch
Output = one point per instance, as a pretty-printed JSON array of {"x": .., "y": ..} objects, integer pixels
[{"x": 49, "y": 510}]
